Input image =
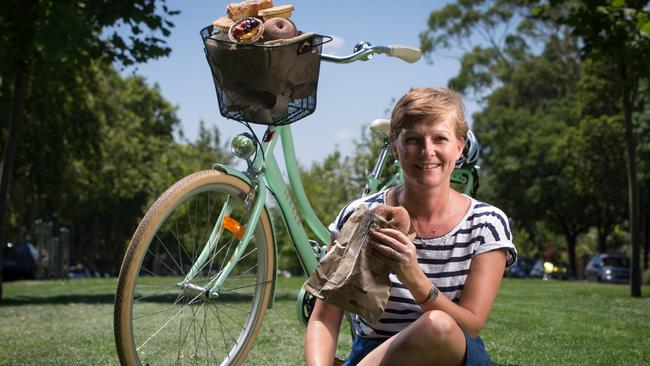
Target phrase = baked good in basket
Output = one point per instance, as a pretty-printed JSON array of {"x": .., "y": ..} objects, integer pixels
[
  {"x": 248, "y": 8},
  {"x": 281, "y": 11},
  {"x": 279, "y": 28}
]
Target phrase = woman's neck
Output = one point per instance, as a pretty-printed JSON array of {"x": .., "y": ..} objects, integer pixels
[{"x": 434, "y": 203}]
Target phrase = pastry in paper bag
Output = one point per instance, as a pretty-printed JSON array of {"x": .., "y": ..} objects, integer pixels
[{"x": 352, "y": 276}]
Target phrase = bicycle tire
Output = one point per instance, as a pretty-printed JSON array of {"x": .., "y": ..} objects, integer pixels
[{"x": 154, "y": 321}]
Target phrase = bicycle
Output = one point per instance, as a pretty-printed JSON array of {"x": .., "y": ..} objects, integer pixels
[{"x": 201, "y": 267}]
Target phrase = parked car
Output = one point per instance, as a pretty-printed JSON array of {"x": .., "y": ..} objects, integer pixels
[
  {"x": 548, "y": 270},
  {"x": 79, "y": 271},
  {"x": 19, "y": 261},
  {"x": 610, "y": 268},
  {"x": 521, "y": 268}
]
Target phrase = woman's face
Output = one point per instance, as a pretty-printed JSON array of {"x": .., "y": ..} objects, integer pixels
[{"x": 428, "y": 151}]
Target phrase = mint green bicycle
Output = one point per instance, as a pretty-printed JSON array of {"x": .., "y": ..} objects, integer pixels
[{"x": 201, "y": 267}]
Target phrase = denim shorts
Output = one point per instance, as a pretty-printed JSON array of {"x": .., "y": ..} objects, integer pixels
[{"x": 475, "y": 353}]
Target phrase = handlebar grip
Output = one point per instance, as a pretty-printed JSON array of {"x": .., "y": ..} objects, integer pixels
[{"x": 408, "y": 54}]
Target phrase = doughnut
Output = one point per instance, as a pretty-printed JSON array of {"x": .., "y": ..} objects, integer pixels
[
  {"x": 396, "y": 216},
  {"x": 279, "y": 28},
  {"x": 248, "y": 8},
  {"x": 282, "y": 11},
  {"x": 246, "y": 30}
]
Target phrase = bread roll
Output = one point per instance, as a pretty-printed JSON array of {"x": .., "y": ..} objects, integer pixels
[{"x": 248, "y": 8}]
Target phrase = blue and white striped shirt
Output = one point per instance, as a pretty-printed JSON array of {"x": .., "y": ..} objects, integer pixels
[{"x": 445, "y": 260}]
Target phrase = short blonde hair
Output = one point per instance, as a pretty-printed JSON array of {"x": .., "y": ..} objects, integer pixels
[{"x": 429, "y": 104}]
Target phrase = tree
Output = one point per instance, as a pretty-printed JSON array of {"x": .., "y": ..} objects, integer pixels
[
  {"x": 42, "y": 38},
  {"x": 528, "y": 109},
  {"x": 515, "y": 65},
  {"x": 593, "y": 156},
  {"x": 100, "y": 150},
  {"x": 493, "y": 37},
  {"x": 521, "y": 130},
  {"x": 617, "y": 31},
  {"x": 642, "y": 125}
]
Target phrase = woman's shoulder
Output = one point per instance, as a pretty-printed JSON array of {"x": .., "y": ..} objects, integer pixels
[
  {"x": 487, "y": 216},
  {"x": 492, "y": 225},
  {"x": 480, "y": 210}
]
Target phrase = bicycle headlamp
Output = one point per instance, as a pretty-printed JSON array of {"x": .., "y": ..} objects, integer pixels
[{"x": 243, "y": 146}]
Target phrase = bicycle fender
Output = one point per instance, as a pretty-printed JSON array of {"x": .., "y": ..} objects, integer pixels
[
  {"x": 234, "y": 172},
  {"x": 244, "y": 177}
]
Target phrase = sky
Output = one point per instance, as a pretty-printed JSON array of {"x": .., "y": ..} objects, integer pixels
[{"x": 349, "y": 96}]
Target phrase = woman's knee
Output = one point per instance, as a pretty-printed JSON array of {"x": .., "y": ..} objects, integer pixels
[{"x": 437, "y": 326}]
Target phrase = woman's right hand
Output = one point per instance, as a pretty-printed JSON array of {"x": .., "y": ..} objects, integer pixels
[{"x": 401, "y": 257}]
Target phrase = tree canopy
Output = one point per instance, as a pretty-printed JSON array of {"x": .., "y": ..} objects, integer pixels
[
  {"x": 554, "y": 126},
  {"x": 48, "y": 51}
]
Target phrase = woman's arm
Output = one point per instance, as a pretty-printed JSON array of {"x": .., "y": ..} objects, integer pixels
[
  {"x": 322, "y": 334},
  {"x": 479, "y": 291}
]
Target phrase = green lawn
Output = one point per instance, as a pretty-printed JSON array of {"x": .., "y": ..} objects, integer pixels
[{"x": 532, "y": 323}]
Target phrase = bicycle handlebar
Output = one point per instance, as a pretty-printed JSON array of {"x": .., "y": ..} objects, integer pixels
[{"x": 363, "y": 51}]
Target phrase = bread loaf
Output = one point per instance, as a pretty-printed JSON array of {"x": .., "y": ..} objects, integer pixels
[{"x": 248, "y": 8}]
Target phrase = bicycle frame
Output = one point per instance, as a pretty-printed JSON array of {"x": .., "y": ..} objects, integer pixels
[
  {"x": 292, "y": 207},
  {"x": 264, "y": 173}
]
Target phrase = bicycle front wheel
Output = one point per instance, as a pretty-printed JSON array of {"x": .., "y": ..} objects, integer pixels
[{"x": 165, "y": 316}]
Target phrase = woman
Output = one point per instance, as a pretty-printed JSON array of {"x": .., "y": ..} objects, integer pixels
[{"x": 444, "y": 281}]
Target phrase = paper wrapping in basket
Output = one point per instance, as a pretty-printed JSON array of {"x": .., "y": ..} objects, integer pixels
[{"x": 352, "y": 275}]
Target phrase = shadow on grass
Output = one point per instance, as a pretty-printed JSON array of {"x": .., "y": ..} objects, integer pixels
[
  {"x": 58, "y": 299},
  {"x": 109, "y": 298}
]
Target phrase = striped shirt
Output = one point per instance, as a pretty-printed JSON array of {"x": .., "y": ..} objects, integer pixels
[{"x": 445, "y": 260}]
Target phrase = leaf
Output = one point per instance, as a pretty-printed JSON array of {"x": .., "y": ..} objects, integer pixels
[
  {"x": 645, "y": 29},
  {"x": 616, "y": 4}
]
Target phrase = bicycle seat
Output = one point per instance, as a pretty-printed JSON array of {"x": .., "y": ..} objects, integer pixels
[{"x": 381, "y": 126}]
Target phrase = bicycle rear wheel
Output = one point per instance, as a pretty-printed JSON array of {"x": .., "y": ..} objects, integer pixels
[{"x": 158, "y": 318}]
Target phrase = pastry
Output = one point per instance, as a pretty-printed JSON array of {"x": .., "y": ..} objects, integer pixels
[
  {"x": 223, "y": 24},
  {"x": 281, "y": 11},
  {"x": 396, "y": 217},
  {"x": 248, "y": 8},
  {"x": 279, "y": 28},
  {"x": 246, "y": 30}
]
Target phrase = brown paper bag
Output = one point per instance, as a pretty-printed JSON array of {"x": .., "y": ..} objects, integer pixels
[{"x": 350, "y": 276}]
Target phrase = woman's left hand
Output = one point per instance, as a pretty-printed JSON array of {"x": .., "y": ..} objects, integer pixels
[{"x": 399, "y": 252}]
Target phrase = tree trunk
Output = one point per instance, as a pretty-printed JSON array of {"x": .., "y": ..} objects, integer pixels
[
  {"x": 646, "y": 237},
  {"x": 602, "y": 239},
  {"x": 9, "y": 154},
  {"x": 571, "y": 241},
  {"x": 633, "y": 186}
]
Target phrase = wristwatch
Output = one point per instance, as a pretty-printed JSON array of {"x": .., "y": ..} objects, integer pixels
[{"x": 433, "y": 294}]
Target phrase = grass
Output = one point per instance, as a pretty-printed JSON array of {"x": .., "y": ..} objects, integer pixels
[{"x": 532, "y": 323}]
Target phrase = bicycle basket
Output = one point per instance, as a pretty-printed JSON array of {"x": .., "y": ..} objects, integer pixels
[{"x": 264, "y": 84}]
